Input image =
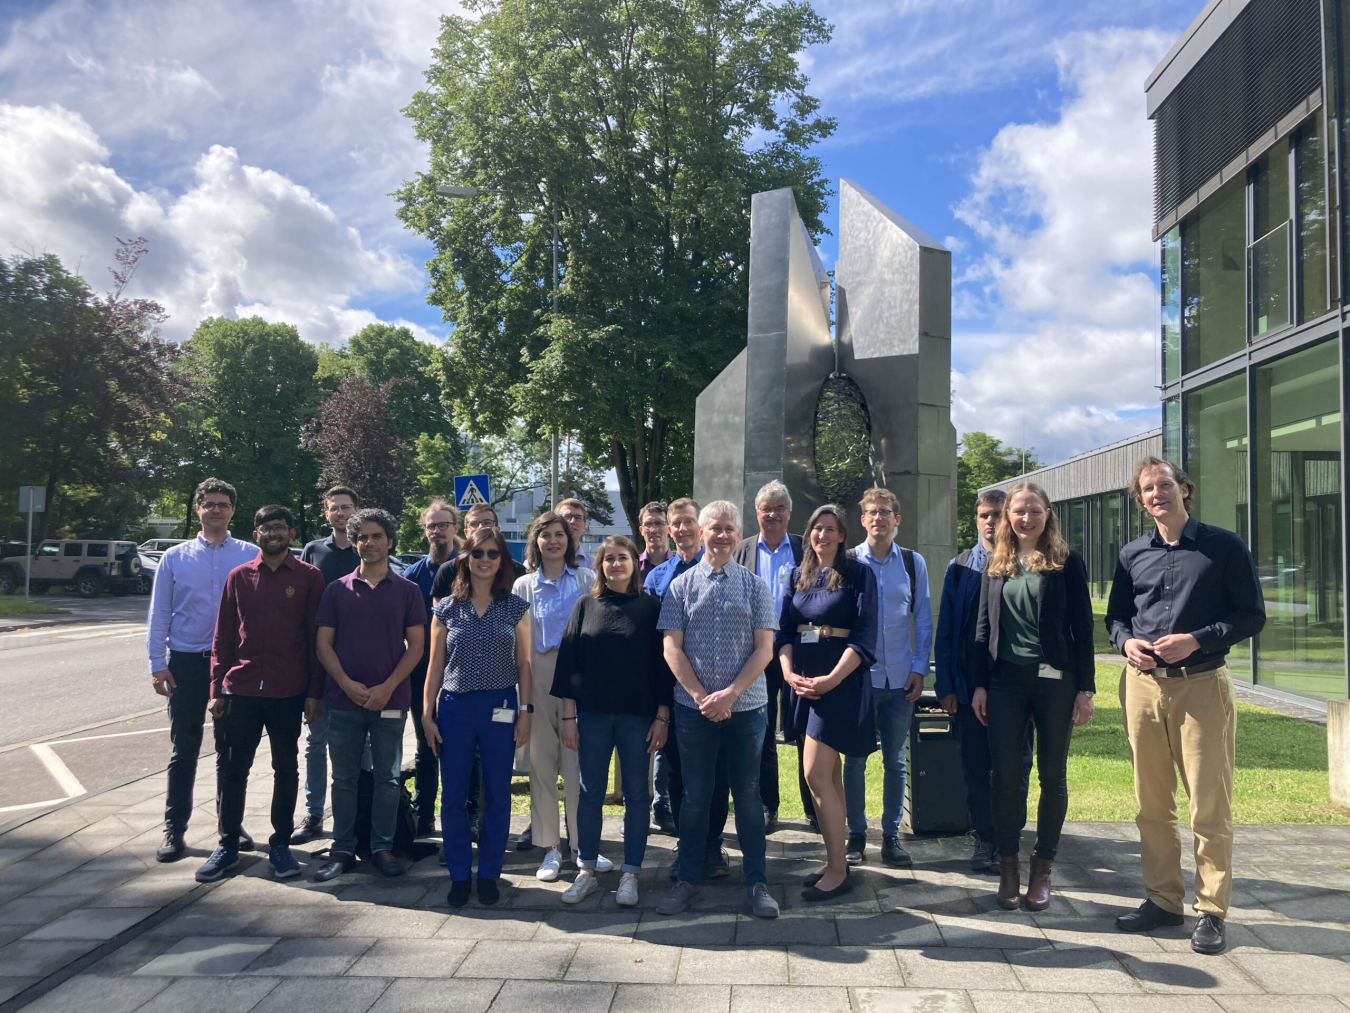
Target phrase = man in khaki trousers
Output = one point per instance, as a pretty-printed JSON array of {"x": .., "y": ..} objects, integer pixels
[{"x": 1183, "y": 594}]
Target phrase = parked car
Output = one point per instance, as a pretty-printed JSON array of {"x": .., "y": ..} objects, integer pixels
[
  {"x": 87, "y": 566},
  {"x": 159, "y": 544}
]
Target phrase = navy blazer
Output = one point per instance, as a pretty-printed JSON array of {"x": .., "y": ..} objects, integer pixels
[{"x": 960, "y": 603}]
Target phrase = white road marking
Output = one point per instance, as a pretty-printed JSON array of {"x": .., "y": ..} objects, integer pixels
[
  {"x": 56, "y": 766},
  {"x": 65, "y": 634},
  {"x": 113, "y": 735},
  {"x": 31, "y": 805}
]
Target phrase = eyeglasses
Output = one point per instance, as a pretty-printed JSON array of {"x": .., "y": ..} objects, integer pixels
[
  {"x": 882, "y": 514},
  {"x": 441, "y": 526},
  {"x": 778, "y": 511},
  {"x": 217, "y": 506},
  {"x": 490, "y": 553},
  {"x": 480, "y": 522},
  {"x": 278, "y": 528}
]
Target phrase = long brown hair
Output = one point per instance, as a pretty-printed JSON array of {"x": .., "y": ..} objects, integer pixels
[
  {"x": 1051, "y": 550},
  {"x": 616, "y": 542},
  {"x": 483, "y": 538},
  {"x": 843, "y": 556},
  {"x": 535, "y": 561}
]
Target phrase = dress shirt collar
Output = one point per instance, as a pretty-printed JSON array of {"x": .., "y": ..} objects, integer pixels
[
  {"x": 229, "y": 543},
  {"x": 681, "y": 561},
  {"x": 864, "y": 551},
  {"x": 787, "y": 541},
  {"x": 978, "y": 555},
  {"x": 539, "y": 577},
  {"x": 706, "y": 568},
  {"x": 1188, "y": 533}
]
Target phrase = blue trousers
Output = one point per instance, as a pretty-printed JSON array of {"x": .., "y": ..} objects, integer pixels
[
  {"x": 739, "y": 740},
  {"x": 599, "y": 734},
  {"x": 348, "y": 731},
  {"x": 465, "y": 722},
  {"x": 893, "y": 714}
]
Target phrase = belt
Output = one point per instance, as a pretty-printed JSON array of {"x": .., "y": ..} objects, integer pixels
[
  {"x": 824, "y": 631},
  {"x": 1181, "y": 673}
]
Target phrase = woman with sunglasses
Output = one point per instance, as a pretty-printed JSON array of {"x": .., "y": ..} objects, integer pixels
[{"x": 477, "y": 696}]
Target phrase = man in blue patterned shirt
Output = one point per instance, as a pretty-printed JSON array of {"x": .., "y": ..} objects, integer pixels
[{"x": 719, "y": 620}]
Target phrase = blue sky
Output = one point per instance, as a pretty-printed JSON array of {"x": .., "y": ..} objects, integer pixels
[{"x": 255, "y": 144}]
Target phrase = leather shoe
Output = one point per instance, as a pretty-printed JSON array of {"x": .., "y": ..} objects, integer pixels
[
  {"x": 386, "y": 864},
  {"x": 815, "y": 893},
  {"x": 310, "y": 828},
  {"x": 337, "y": 864},
  {"x": 1038, "y": 885},
  {"x": 1146, "y": 917},
  {"x": 1009, "y": 882},
  {"x": 525, "y": 842},
  {"x": 173, "y": 847},
  {"x": 894, "y": 853},
  {"x": 488, "y": 891},
  {"x": 459, "y": 892},
  {"x": 1207, "y": 936}
]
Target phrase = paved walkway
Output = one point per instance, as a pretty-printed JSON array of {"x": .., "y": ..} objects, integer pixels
[{"x": 89, "y": 921}]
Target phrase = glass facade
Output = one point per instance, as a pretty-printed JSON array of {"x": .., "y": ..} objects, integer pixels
[
  {"x": 1298, "y": 521},
  {"x": 1213, "y": 280},
  {"x": 1171, "y": 305},
  {"x": 1094, "y": 527},
  {"x": 1311, "y": 201},
  {"x": 1171, "y": 431}
]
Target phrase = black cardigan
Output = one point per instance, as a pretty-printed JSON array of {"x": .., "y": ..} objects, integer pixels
[
  {"x": 611, "y": 657},
  {"x": 1064, "y": 623}
]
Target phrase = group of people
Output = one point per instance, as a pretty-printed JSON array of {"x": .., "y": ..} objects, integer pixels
[{"x": 684, "y": 662}]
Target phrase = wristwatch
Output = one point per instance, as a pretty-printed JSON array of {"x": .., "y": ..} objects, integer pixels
[
  {"x": 527, "y": 708},
  {"x": 1089, "y": 693}
]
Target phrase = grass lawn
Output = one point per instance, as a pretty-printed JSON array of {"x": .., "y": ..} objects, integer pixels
[
  {"x": 1100, "y": 641},
  {"x": 1281, "y": 769},
  {"x": 16, "y": 606}
]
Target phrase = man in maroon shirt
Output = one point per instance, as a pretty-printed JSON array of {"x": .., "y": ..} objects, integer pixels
[{"x": 265, "y": 674}]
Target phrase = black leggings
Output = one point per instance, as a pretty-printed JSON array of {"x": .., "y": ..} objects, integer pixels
[{"x": 1016, "y": 693}]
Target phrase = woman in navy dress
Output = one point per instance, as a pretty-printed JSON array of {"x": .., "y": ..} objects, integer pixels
[{"x": 827, "y": 635}]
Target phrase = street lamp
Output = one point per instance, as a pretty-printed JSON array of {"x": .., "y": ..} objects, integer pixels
[{"x": 469, "y": 192}]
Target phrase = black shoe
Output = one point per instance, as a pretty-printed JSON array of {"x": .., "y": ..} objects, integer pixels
[
  {"x": 245, "y": 841},
  {"x": 337, "y": 864},
  {"x": 488, "y": 891},
  {"x": 459, "y": 892},
  {"x": 426, "y": 826},
  {"x": 1146, "y": 917},
  {"x": 525, "y": 842},
  {"x": 853, "y": 851},
  {"x": 1207, "y": 936},
  {"x": 815, "y": 893},
  {"x": 813, "y": 879},
  {"x": 814, "y": 824},
  {"x": 894, "y": 853},
  {"x": 770, "y": 820},
  {"x": 716, "y": 864},
  {"x": 475, "y": 830},
  {"x": 173, "y": 847},
  {"x": 664, "y": 821},
  {"x": 310, "y": 828},
  {"x": 984, "y": 858},
  {"x": 386, "y": 864}
]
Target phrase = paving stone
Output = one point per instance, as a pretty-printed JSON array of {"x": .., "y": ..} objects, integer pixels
[
  {"x": 197, "y": 920},
  {"x": 150, "y": 889},
  {"x": 1065, "y": 931},
  {"x": 25, "y": 958},
  {"x": 1188, "y": 972},
  {"x": 86, "y": 882},
  {"x": 727, "y": 965},
  {"x": 795, "y": 999},
  {"x": 889, "y": 928},
  {"x": 101, "y": 923},
  {"x": 412, "y": 958},
  {"x": 9, "y": 855},
  {"x": 320, "y": 957},
  {"x": 1279, "y": 1004},
  {"x": 1031, "y": 1002},
  {"x": 538, "y": 960},
  {"x": 29, "y": 910},
  {"x": 479, "y": 924},
  {"x": 387, "y": 893},
  {"x": 910, "y": 1000},
  {"x": 309, "y": 920},
  {"x": 10, "y": 987},
  {"x": 957, "y": 967},
  {"x": 689, "y": 928},
  {"x": 1296, "y": 936},
  {"x": 1241, "y": 938},
  {"x": 643, "y": 963},
  {"x": 437, "y": 995},
  {"x": 332, "y": 995},
  {"x": 1095, "y": 971},
  {"x": 211, "y": 995},
  {"x": 561, "y": 997},
  {"x": 788, "y": 927},
  {"x": 1156, "y": 1004},
  {"x": 842, "y": 965},
  {"x": 665, "y": 998},
  {"x": 1009, "y": 930},
  {"x": 130, "y": 955},
  {"x": 105, "y": 993},
  {"x": 393, "y": 923},
  {"x": 1297, "y": 974},
  {"x": 208, "y": 955},
  {"x": 614, "y": 926}
]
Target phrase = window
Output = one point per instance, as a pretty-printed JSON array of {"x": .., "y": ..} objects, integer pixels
[
  {"x": 1171, "y": 431},
  {"x": 1213, "y": 241},
  {"x": 1268, "y": 257},
  {"x": 72, "y": 549},
  {"x": 97, "y": 550},
  {"x": 1298, "y": 522},
  {"x": 1311, "y": 198},
  {"x": 49, "y": 550},
  {"x": 1171, "y": 304},
  {"x": 1110, "y": 541}
]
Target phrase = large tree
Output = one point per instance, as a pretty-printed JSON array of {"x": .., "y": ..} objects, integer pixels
[
  {"x": 646, "y": 125},
  {"x": 358, "y": 444},
  {"x": 983, "y": 460}
]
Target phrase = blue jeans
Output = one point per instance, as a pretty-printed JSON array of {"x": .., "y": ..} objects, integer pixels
[
  {"x": 599, "y": 734},
  {"x": 465, "y": 722},
  {"x": 347, "y": 734},
  {"x": 739, "y": 740},
  {"x": 893, "y": 714},
  {"x": 316, "y": 765}
]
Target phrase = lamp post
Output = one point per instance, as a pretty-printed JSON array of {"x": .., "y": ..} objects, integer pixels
[{"x": 467, "y": 193}]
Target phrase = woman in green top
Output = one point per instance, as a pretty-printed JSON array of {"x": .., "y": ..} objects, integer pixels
[{"x": 1035, "y": 661}]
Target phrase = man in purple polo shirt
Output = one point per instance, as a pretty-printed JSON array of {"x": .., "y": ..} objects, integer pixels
[{"x": 372, "y": 625}]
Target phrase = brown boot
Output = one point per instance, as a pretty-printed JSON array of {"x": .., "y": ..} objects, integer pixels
[
  {"x": 1038, "y": 886},
  {"x": 1009, "y": 882}
]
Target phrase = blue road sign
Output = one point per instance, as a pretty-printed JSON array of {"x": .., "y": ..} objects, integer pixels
[{"x": 470, "y": 490}]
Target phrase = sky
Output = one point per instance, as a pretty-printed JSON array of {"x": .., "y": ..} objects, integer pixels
[{"x": 255, "y": 143}]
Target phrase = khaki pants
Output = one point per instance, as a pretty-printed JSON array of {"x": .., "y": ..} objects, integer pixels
[
  {"x": 1188, "y": 724},
  {"x": 549, "y": 758}
]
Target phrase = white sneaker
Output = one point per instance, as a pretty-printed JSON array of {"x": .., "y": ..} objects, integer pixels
[
  {"x": 628, "y": 889},
  {"x": 550, "y": 866},
  {"x": 603, "y": 864},
  {"x": 582, "y": 887}
]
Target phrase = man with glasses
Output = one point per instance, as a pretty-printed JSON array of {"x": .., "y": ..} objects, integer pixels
[
  {"x": 771, "y": 557},
  {"x": 479, "y": 516},
  {"x": 574, "y": 512},
  {"x": 897, "y": 676},
  {"x": 655, "y": 537},
  {"x": 181, "y": 627}
]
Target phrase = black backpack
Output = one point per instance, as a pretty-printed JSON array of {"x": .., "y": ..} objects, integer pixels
[{"x": 405, "y": 821}]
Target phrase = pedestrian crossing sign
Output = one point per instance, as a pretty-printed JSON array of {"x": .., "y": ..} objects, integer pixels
[{"x": 471, "y": 490}]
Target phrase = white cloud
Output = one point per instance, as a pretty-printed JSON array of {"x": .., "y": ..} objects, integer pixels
[{"x": 1068, "y": 270}]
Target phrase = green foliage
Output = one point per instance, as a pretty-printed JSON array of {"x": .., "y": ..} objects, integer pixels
[
  {"x": 383, "y": 352},
  {"x": 435, "y": 462},
  {"x": 981, "y": 461},
  {"x": 647, "y": 126}
]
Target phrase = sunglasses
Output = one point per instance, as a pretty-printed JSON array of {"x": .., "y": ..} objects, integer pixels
[{"x": 490, "y": 553}]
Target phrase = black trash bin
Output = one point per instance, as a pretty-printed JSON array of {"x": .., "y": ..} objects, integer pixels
[{"x": 935, "y": 790}]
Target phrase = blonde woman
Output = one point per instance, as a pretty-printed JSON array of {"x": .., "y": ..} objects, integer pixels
[{"x": 1034, "y": 660}]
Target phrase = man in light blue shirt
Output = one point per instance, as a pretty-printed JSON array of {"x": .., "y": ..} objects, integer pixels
[
  {"x": 184, "y": 603},
  {"x": 897, "y": 676}
]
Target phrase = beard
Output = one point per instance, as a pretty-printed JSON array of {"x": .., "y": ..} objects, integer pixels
[{"x": 439, "y": 552}]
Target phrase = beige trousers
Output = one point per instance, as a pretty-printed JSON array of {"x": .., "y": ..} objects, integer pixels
[
  {"x": 1189, "y": 725},
  {"x": 549, "y": 758}
]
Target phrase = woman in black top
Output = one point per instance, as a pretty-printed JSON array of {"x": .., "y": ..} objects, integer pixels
[
  {"x": 617, "y": 692},
  {"x": 1035, "y": 634}
]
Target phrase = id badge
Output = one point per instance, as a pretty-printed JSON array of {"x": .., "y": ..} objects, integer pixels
[
  {"x": 1047, "y": 672},
  {"x": 391, "y": 714},
  {"x": 811, "y": 637},
  {"x": 504, "y": 715}
]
